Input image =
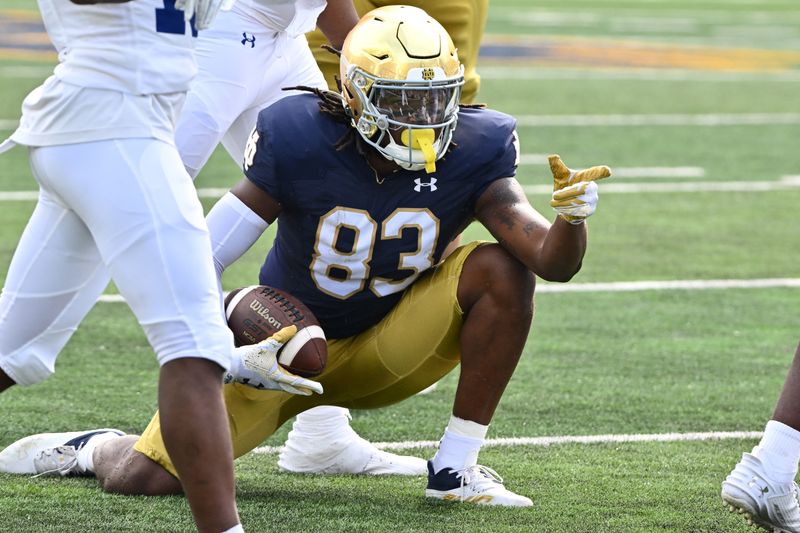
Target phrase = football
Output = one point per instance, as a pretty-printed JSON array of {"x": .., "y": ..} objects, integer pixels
[{"x": 254, "y": 313}]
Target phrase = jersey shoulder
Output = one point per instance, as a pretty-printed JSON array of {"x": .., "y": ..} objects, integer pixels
[
  {"x": 484, "y": 127},
  {"x": 488, "y": 140},
  {"x": 293, "y": 140}
]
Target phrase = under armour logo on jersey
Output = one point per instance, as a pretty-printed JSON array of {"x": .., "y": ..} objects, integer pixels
[
  {"x": 251, "y": 40},
  {"x": 420, "y": 184}
]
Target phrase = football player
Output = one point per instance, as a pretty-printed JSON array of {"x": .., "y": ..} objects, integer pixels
[
  {"x": 245, "y": 61},
  {"x": 368, "y": 188},
  {"x": 114, "y": 196},
  {"x": 313, "y": 443},
  {"x": 761, "y": 485}
]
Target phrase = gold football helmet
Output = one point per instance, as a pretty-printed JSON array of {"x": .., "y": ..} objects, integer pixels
[{"x": 401, "y": 81}]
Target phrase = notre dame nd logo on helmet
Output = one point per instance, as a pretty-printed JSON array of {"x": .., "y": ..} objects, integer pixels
[{"x": 427, "y": 74}]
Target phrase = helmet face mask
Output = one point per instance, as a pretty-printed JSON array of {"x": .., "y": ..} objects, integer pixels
[{"x": 401, "y": 81}]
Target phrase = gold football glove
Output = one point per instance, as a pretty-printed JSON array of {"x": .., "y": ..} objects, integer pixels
[
  {"x": 575, "y": 191},
  {"x": 257, "y": 366}
]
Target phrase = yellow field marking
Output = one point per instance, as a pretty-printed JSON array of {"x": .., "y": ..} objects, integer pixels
[{"x": 552, "y": 51}]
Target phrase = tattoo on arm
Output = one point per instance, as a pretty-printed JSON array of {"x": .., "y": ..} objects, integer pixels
[
  {"x": 503, "y": 199},
  {"x": 528, "y": 228}
]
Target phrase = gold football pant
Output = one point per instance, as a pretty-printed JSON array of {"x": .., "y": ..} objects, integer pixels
[
  {"x": 414, "y": 346},
  {"x": 464, "y": 20}
]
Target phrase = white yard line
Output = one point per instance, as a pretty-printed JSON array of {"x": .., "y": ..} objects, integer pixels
[
  {"x": 523, "y": 72},
  {"x": 609, "y": 187},
  {"x": 676, "y": 119},
  {"x": 629, "y": 286},
  {"x": 566, "y": 439},
  {"x": 630, "y": 172},
  {"x": 686, "y": 284}
]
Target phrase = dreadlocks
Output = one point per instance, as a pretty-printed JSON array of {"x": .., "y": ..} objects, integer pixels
[{"x": 332, "y": 104}]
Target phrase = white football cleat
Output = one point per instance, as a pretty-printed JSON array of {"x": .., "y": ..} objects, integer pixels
[
  {"x": 346, "y": 454},
  {"x": 48, "y": 453},
  {"x": 477, "y": 484},
  {"x": 771, "y": 506}
]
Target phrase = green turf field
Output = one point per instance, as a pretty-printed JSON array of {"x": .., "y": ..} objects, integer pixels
[{"x": 695, "y": 106}]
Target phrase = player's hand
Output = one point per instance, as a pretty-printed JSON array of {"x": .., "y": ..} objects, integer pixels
[
  {"x": 204, "y": 11},
  {"x": 264, "y": 372},
  {"x": 575, "y": 191}
]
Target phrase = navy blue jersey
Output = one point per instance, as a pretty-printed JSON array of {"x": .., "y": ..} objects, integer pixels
[{"x": 347, "y": 246}]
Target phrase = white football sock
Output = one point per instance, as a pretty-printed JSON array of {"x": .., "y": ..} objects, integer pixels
[
  {"x": 235, "y": 529},
  {"x": 86, "y": 454},
  {"x": 460, "y": 445},
  {"x": 779, "y": 451},
  {"x": 324, "y": 419}
]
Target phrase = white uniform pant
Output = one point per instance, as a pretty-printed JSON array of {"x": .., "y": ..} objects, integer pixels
[
  {"x": 125, "y": 208},
  {"x": 243, "y": 67}
]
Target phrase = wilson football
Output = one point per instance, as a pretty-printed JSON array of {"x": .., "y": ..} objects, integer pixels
[{"x": 256, "y": 312}]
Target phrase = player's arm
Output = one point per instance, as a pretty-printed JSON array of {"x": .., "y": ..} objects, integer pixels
[
  {"x": 552, "y": 251},
  {"x": 237, "y": 221},
  {"x": 337, "y": 20}
]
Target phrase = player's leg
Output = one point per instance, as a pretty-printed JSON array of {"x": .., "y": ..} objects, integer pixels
[
  {"x": 107, "y": 454},
  {"x": 328, "y": 62},
  {"x": 495, "y": 292},
  {"x": 762, "y": 485},
  {"x": 232, "y": 56},
  {"x": 55, "y": 275},
  {"x": 121, "y": 469},
  {"x": 378, "y": 367},
  {"x": 465, "y": 21},
  {"x": 148, "y": 226},
  {"x": 290, "y": 64}
]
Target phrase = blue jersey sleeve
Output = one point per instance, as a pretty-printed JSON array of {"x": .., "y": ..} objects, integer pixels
[
  {"x": 502, "y": 159},
  {"x": 259, "y": 159}
]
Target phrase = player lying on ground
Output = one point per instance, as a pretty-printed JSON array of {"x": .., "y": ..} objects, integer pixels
[{"x": 367, "y": 196}]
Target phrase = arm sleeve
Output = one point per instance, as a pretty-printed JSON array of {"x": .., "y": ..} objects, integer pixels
[{"x": 234, "y": 228}]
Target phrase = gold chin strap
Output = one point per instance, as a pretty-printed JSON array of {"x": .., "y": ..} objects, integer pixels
[{"x": 422, "y": 140}]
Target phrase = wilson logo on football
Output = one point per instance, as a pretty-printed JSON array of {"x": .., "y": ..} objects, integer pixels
[{"x": 263, "y": 311}]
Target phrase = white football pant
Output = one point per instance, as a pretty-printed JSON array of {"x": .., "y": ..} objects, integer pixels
[
  {"x": 243, "y": 67},
  {"x": 124, "y": 207}
]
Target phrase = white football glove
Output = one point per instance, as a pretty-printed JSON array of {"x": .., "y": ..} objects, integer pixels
[
  {"x": 256, "y": 366},
  {"x": 575, "y": 192},
  {"x": 204, "y": 11}
]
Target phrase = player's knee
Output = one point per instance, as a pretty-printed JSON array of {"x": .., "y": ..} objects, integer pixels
[{"x": 503, "y": 278}]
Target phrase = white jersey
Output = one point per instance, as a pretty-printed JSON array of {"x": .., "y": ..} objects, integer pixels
[
  {"x": 139, "y": 47},
  {"x": 123, "y": 72},
  {"x": 294, "y": 17}
]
